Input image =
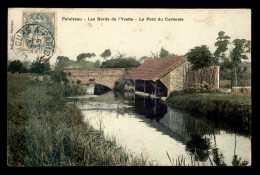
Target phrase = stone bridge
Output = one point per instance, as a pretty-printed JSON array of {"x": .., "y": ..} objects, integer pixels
[{"x": 103, "y": 76}]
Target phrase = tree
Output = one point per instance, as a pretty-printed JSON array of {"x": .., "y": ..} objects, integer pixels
[
  {"x": 238, "y": 53},
  {"x": 16, "y": 66},
  {"x": 144, "y": 58},
  {"x": 83, "y": 56},
  {"x": 126, "y": 62},
  {"x": 164, "y": 53},
  {"x": 97, "y": 64},
  {"x": 62, "y": 58},
  {"x": 61, "y": 62},
  {"x": 222, "y": 46},
  {"x": 39, "y": 68},
  {"x": 240, "y": 48},
  {"x": 59, "y": 76},
  {"x": 200, "y": 57},
  {"x": 106, "y": 53}
]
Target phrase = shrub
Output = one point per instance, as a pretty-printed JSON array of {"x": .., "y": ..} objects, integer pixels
[
  {"x": 17, "y": 66},
  {"x": 128, "y": 62},
  {"x": 232, "y": 108}
]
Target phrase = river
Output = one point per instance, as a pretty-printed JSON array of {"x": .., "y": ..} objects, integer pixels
[{"x": 161, "y": 133}]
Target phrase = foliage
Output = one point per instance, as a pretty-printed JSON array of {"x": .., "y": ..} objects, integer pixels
[
  {"x": 38, "y": 67},
  {"x": 74, "y": 90},
  {"x": 237, "y": 162},
  {"x": 218, "y": 158},
  {"x": 106, "y": 53},
  {"x": 97, "y": 64},
  {"x": 231, "y": 108},
  {"x": 83, "y": 56},
  {"x": 16, "y": 66},
  {"x": 164, "y": 53},
  {"x": 43, "y": 129},
  {"x": 199, "y": 147},
  {"x": 62, "y": 58},
  {"x": 222, "y": 46},
  {"x": 127, "y": 62},
  {"x": 59, "y": 76},
  {"x": 238, "y": 53},
  {"x": 119, "y": 86},
  {"x": 200, "y": 57},
  {"x": 64, "y": 62}
]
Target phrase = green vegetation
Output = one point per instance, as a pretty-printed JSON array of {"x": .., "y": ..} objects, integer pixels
[
  {"x": 232, "y": 108},
  {"x": 43, "y": 129},
  {"x": 228, "y": 55},
  {"x": 222, "y": 46},
  {"x": 106, "y": 53},
  {"x": 119, "y": 86},
  {"x": 16, "y": 66},
  {"x": 120, "y": 61},
  {"x": 38, "y": 67},
  {"x": 200, "y": 57},
  {"x": 128, "y": 62},
  {"x": 162, "y": 54},
  {"x": 83, "y": 56},
  {"x": 63, "y": 62}
]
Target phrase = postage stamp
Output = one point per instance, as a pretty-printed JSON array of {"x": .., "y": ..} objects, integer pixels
[{"x": 37, "y": 35}]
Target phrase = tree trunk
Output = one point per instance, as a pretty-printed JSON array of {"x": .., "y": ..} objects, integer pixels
[
  {"x": 235, "y": 80},
  {"x": 196, "y": 80}
]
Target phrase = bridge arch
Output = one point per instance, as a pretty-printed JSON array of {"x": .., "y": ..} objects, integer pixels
[
  {"x": 103, "y": 76},
  {"x": 80, "y": 82}
]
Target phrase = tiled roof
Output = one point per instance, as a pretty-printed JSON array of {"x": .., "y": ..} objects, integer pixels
[{"x": 153, "y": 68}]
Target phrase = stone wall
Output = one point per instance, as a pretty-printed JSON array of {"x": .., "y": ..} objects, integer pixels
[
  {"x": 184, "y": 78},
  {"x": 166, "y": 81},
  {"x": 178, "y": 77},
  {"x": 103, "y": 76},
  {"x": 175, "y": 80}
]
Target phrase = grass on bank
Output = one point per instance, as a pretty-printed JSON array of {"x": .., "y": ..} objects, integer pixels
[
  {"x": 216, "y": 105},
  {"x": 44, "y": 130}
]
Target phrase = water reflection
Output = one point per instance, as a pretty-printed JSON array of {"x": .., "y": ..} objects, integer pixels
[
  {"x": 199, "y": 147},
  {"x": 150, "y": 127},
  {"x": 197, "y": 133},
  {"x": 150, "y": 108}
]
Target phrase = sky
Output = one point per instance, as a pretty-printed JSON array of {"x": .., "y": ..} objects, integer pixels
[{"x": 140, "y": 37}]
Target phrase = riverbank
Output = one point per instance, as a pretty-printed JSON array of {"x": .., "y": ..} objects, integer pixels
[
  {"x": 44, "y": 130},
  {"x": 231, "y": 108}
]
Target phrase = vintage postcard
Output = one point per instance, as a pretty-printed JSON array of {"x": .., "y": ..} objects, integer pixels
[{"x": 129, "y": 87}]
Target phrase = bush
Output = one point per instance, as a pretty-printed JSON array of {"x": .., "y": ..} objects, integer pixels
[
  {"x": 74, "y": 90},
  {"x": 59, "y": 76},
  {"x": 128, "y": 62},
  {"x": 119, "y": 86},
  {"x": 16, "y": 66},
  {"x": 38, "y": 67},
  {"x": 232, "y": 108}
]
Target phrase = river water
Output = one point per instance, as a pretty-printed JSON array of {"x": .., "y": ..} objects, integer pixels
[{"x": 161, "y": 133}]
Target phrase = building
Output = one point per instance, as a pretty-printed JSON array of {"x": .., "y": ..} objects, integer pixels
[{"x": 160, "y": 76}]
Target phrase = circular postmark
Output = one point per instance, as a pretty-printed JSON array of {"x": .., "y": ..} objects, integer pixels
[{"x": 32, "y": 41}]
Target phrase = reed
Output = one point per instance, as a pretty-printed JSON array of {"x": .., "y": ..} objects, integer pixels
[{"x": 44, "y": 130}]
